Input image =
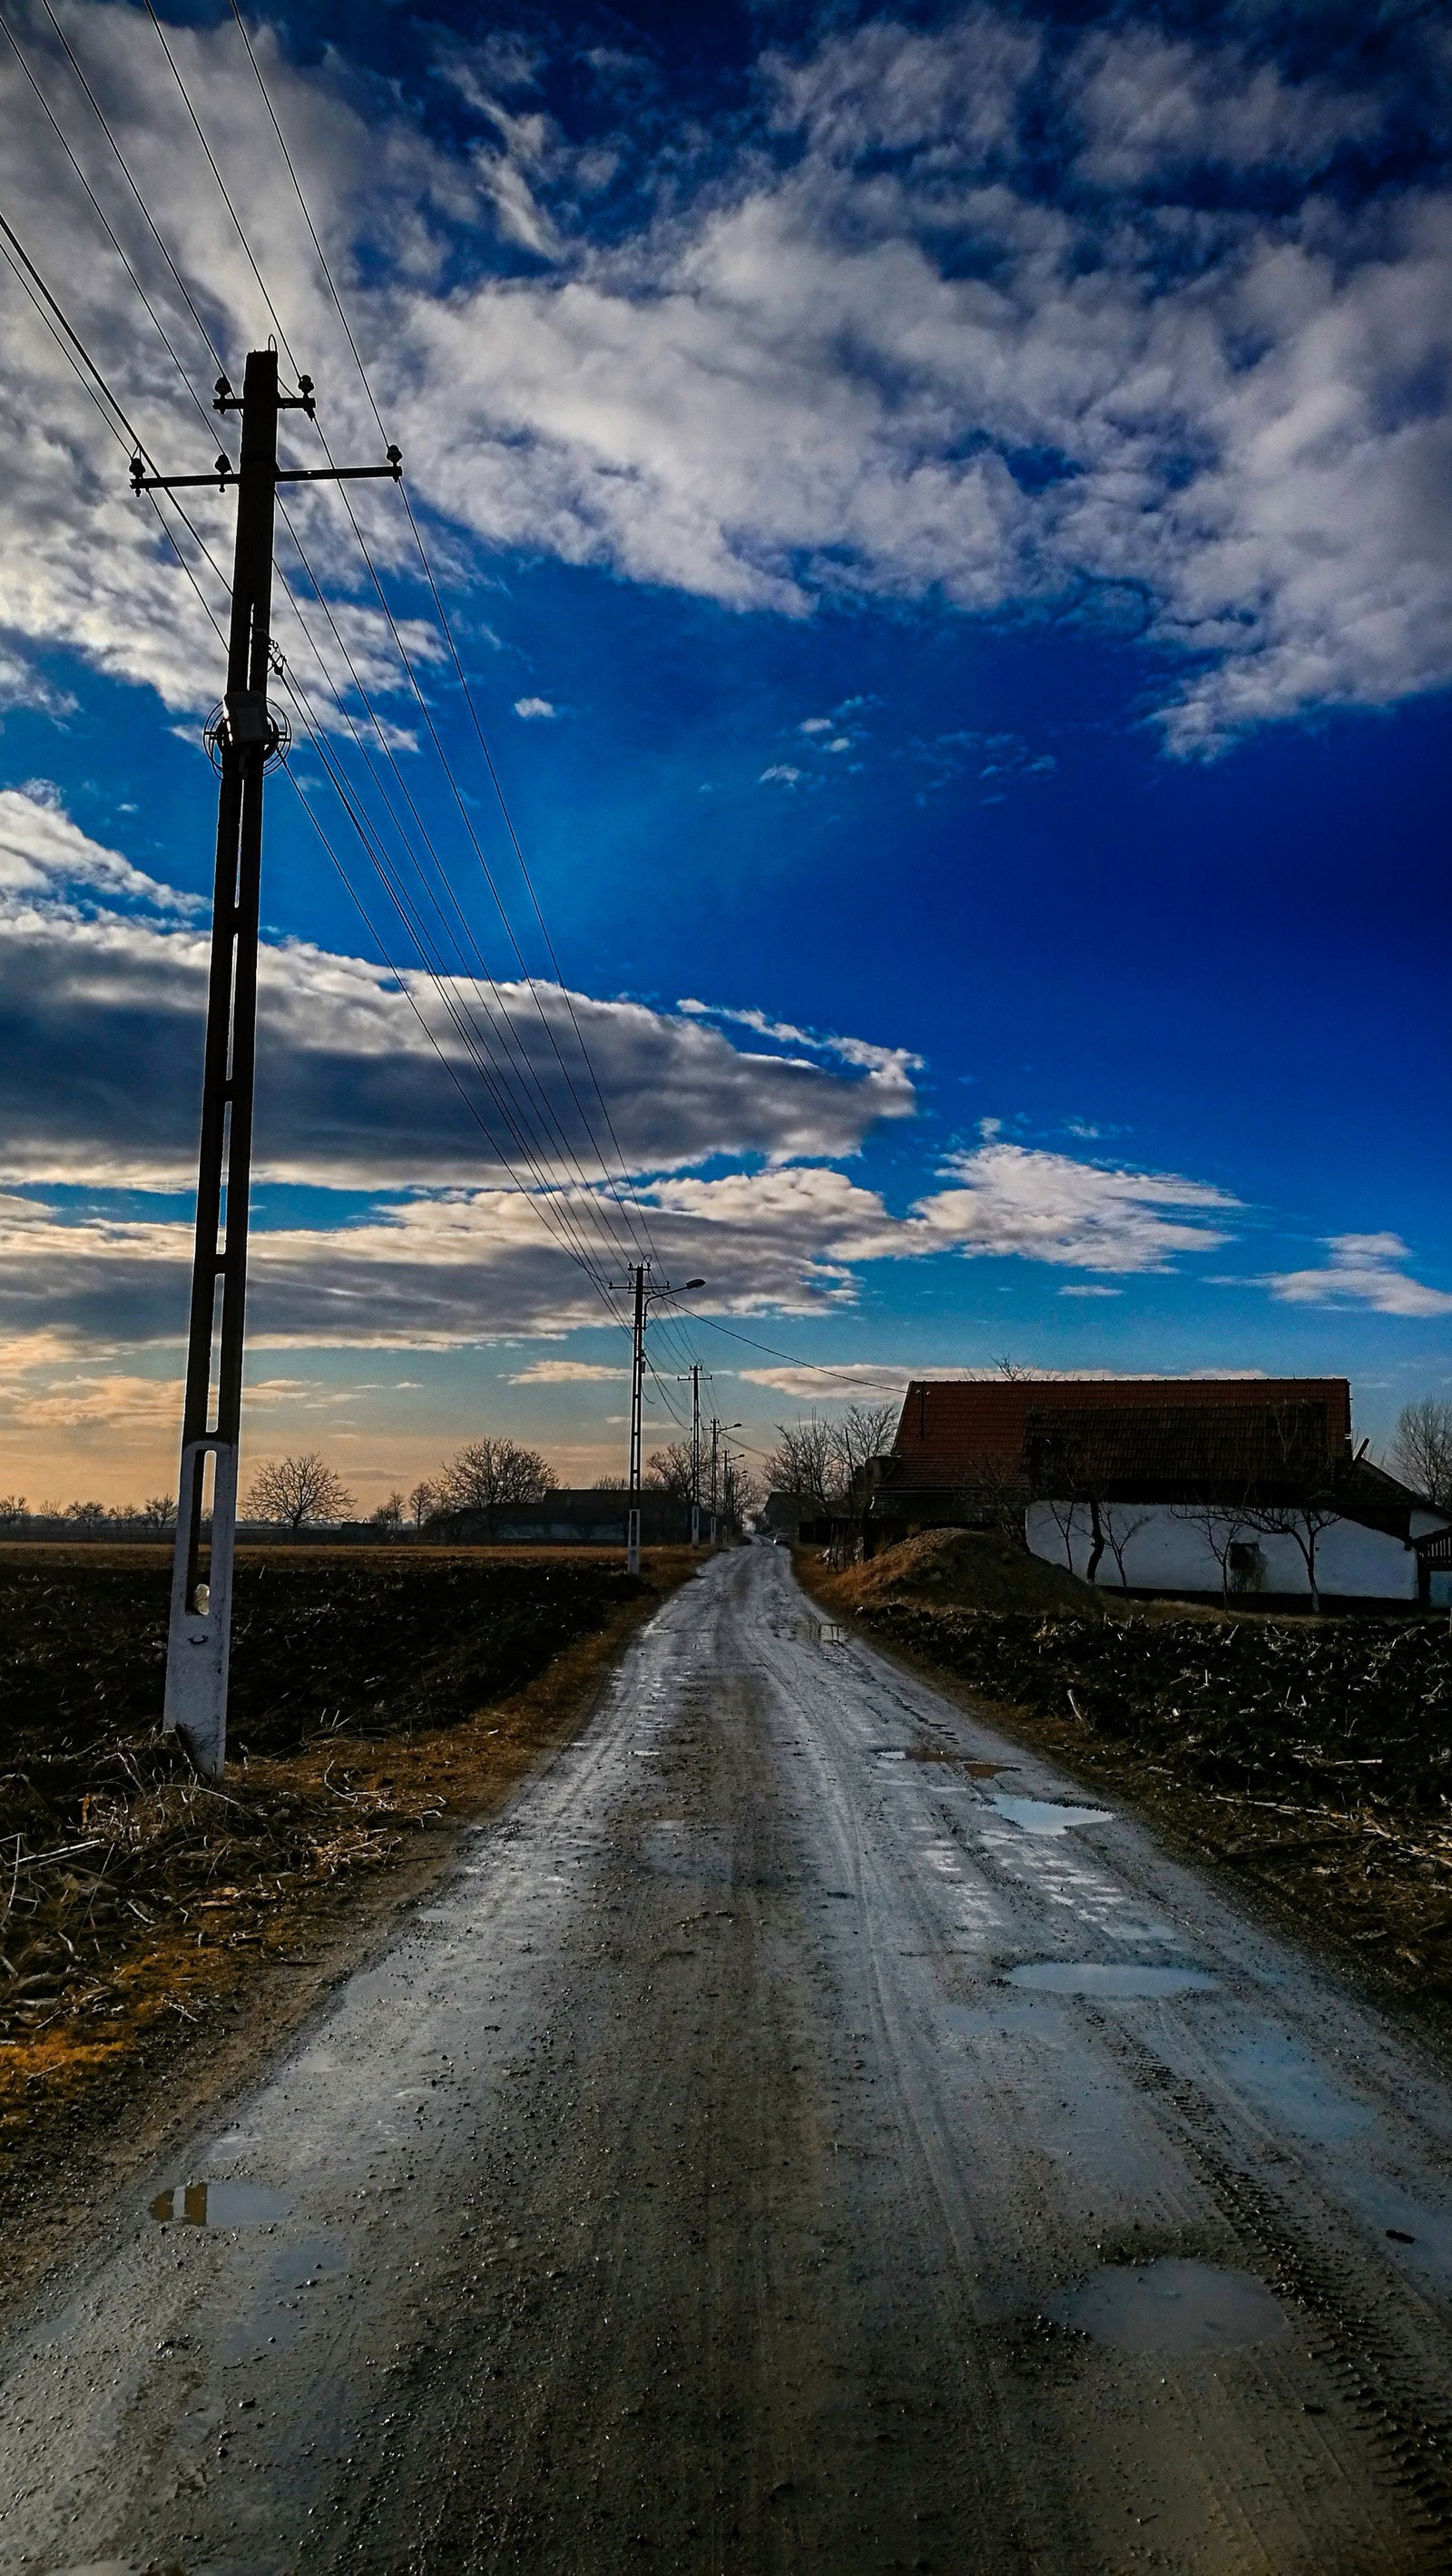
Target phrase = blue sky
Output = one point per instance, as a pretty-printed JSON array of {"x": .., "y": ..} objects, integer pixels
[{"x": 946, "y": 518}]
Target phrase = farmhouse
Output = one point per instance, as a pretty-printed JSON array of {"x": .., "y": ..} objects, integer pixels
[{"x": 1212, "y": 1487}]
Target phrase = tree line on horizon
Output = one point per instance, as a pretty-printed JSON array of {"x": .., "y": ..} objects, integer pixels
[{"x": 818, "y": 1461}]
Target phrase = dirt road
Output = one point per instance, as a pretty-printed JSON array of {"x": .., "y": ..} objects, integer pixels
[{"x": 802, "y": 2135}]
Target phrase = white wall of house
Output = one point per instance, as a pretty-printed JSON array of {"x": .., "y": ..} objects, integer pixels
[{"x": 1166, "y": 1554}]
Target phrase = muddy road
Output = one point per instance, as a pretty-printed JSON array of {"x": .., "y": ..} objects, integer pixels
[{"x": 804, "y": 2133}]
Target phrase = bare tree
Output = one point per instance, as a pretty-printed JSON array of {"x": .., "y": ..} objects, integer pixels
[
  {"x": 611, "y": 1485},
  {"x": 1302, "y": 1521},
  {"x": 864, "y": 1432},
  {"x": 1064, "y": 1513},
  {"x": 423, "y": 1500},
  {"x": 741, "y": 1489},
  {"x": 490, "y": 1475},
  {"x": 295, "y": 1490},
  {"x": 12, "y": 1509},
  {"x": 805, "y": 1464},
  {"x": 1421, "y": 1449},
  {"x": 1222, "y": 1526},
  {"x": 389, "y": 1515},
  {"x": 1120, "y": 1525},
  {"x": 158, "y": 1511},
  {"x": 1304, "y": 1476},
  {"x": 87, "y": 1516},
  {"x": 669, "y": 1471}
]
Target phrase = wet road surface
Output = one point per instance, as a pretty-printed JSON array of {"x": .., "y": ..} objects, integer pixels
[{"x": 806, "y": 2132}]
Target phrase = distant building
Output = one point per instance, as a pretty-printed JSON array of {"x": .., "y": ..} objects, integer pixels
[
  {"x": 1188, "y": 1486},
  {"x": 572, "y": 1516}
]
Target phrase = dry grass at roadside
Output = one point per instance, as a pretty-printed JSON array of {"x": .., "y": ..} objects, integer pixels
[
  {"x": 175, "y": 1929},
  {"x": 1310, "y": 1760}
]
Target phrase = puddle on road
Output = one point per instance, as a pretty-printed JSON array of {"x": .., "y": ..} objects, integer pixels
[
  {"x": 221, "y": 2204},
  {"x": 1175, "y": 2308},
  {"x": 1045, "y": 1815},
  {"x": 1108, "y": 1977}
]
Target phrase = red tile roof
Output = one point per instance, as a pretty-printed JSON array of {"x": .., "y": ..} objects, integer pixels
[{"x": 950, "y": 1424}]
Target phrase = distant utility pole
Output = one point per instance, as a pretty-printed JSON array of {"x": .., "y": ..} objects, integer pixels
[
  {"x": 716, "y": 1430},
  {"x": 695, "y": 1454},
  {"x": 244, "y": 738},
  {"x": 645, "y": 1297}
]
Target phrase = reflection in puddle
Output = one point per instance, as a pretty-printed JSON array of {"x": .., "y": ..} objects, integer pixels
[
  {"x": 1045, "y": 1815},
  {"x": 1174, "y": 2307},
  {"x": 221, "y": 2204},
  {"x": 1108, "y": 1977}
]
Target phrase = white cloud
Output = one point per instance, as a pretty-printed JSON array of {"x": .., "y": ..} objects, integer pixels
[
  {"x": 1091, "y": 1292},
  {"x": 101, "y": 1018},
  {"x": 1364, "y": 1270},
  {"x": 533, "y": 708},
  {"x": 566, "y": 1373},
  {"x": 818, "y": 374},
  {"x": 781, "y": 773},
  {"x": 42, "y": 851},
  {"x": 1048, "y": 1207},
  {"x": 815, "y": 724}
]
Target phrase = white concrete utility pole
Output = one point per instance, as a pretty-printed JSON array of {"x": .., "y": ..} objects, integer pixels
[{"x": 244, "y": 739}]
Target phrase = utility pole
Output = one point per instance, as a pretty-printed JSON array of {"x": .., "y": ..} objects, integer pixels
[
  {"x": 645, "y": 1298},
  {"x": 244, "y": 739},
  {"x": 695, "y": 1453},
  {"x": 637, "y": 1391},
  {"x": 716, "y": 1430}
]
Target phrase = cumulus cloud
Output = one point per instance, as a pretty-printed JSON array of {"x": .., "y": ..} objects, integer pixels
[
  {"x": 871, "y": 347},
  {"x": 566, "y": 1373},
  {"x": 1364, "y": 1270},
  {"x": 477, "y": 1265},
  {"x": 366, "y": 1080},
  {"x": 533, "y": 710},
  {"x": 1084, "y": 1216}
]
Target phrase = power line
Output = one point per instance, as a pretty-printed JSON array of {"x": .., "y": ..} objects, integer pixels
[
  {"x": 182, "y": 286},
  {"x": 448, "y": 634},
  {"x": 405, "y": 910},
  {"x": 100, "y": 210},
  {"x": 39, "y": 290},
  {"x": 526, "y": 1067},
  {"x": 221, "y": 182},
  {"x": 889, "y": 1386}
]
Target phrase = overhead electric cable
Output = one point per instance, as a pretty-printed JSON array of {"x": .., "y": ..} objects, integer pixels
[
  {"x": 405, "y": 910},
  {"x": 448, "y": 635},
  {"x": 222, "y": 184},
  {"x": 889, "y": 1386},
  {"x": 546, "y": 1204},
  {"x": 71, "y": 333},
  {"x": 122, "y": 254},
  {"x": 182, "y": 287},
  {"x": 613, "y": 1247}
]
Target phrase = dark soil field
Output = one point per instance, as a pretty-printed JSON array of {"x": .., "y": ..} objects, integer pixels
[
  {"x": 147, "y": 1922},
  {"x": 1310, "y": 1757}
]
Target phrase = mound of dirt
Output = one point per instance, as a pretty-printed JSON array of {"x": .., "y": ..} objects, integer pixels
[{"x": 967, "y": 1570}]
